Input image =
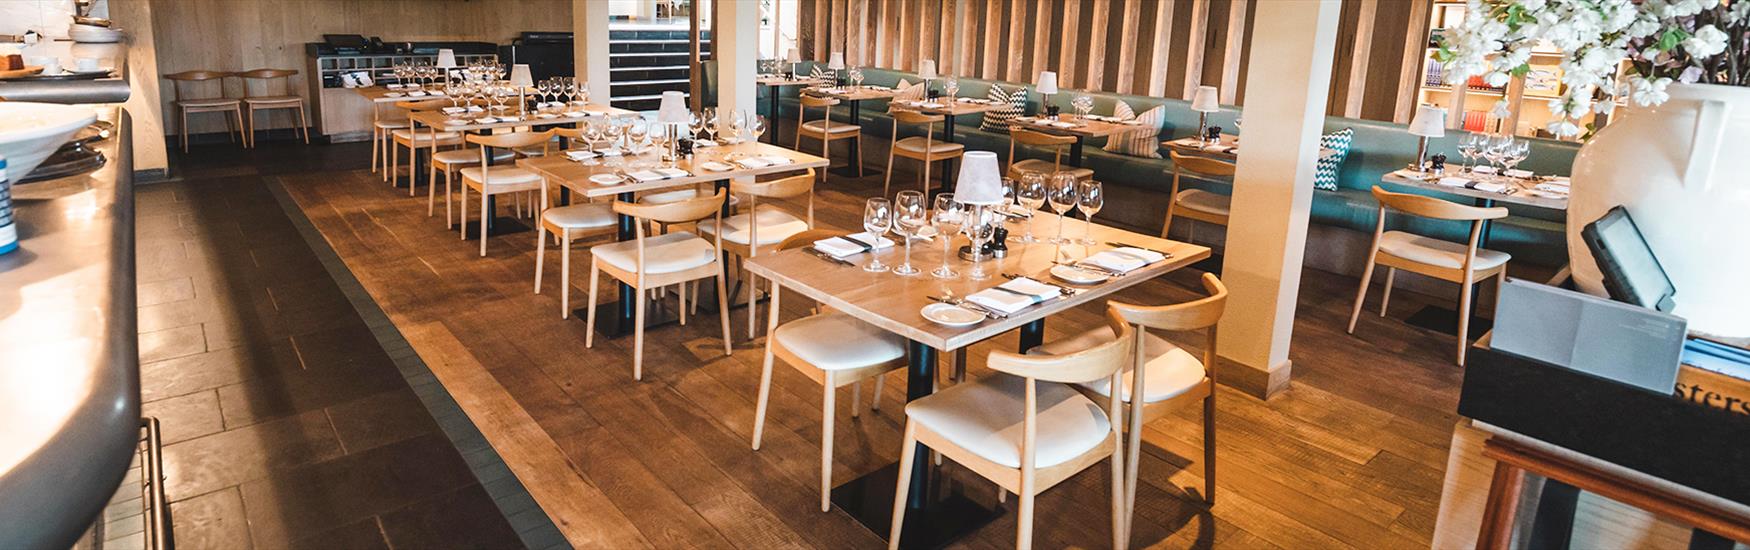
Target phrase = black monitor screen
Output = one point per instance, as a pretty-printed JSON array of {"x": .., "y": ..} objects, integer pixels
[{"x": 1631, "y": 272}]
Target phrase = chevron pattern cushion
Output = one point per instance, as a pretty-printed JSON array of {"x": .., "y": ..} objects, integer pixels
[
  {"x": 998, "y": 120},
  {"x": 1144, "y": 141},
  {"x": 1325, "y": 176},
  {"x": 820, "y": 73}
]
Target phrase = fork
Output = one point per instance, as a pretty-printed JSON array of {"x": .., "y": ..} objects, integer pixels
[{"x": 948, "y": 298}]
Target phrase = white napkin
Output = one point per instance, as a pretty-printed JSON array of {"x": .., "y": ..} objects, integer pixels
[
  {"x": 646, "y": 175},
  {"x": 575, "y": 114},
  {"x": 1031, "y": 292},
  {"x": 1553, "y": 187},
  {"x": 580, "y": 155},
  {"x": 545, "y": 116},
  {"x": 396, "y": 86},
  {"x": 609, "y": 152},
  {"x": 1044, "y": 122},
  {"x": 1061, "y": 124},
  {"x": 839, "y": 247},
  {"x": 673, "y": 172},
  {"x": 715, "y": 166},
  {"x": 454, "y": 110},
  {"x": 416, "y": 93},
  {"x": 486, "y": 120},
  {"x": 1453, "y": 181},
  {"x": 436, "y": 92},
  {"x": 1483, "y": 169},
  {"x": 476, "y": 109},
  {"x": 1490, "y": 187},
  {"x": 1516, "y": 173},
  {"x": 697, "y": 143},
  {"x": 1124, "y": 260}
]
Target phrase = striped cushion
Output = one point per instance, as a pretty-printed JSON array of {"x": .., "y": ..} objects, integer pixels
[
  {"x": 908, "y": 91},
  {"x": 997, "y": 120},
  {"x": 1325, "y": 176},
  {"x": 820, "y": 73},
  {"x": 1144, "y": 140}
]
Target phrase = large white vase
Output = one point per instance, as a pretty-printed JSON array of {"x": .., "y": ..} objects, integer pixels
[{"x": 1682, "y": 169}]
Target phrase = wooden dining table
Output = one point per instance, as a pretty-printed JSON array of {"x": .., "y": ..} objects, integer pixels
[
  {"x": 1227, "y": 147},
  {"x": 894, "y": 303},
  {"x": 574, "y": 176},
  {"x": 775, "y": 83},
  {"x": 855, "y": 96},
  {"x": 1081, "y": 129}
]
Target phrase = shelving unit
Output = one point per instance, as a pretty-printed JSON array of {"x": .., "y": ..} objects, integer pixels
[{"x": 342, "y": 115}]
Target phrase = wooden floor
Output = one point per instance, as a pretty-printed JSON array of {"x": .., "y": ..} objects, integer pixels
[{"x": 1350, "y": 456}]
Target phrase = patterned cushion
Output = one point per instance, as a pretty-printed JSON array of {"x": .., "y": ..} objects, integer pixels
[
  {"x": 997, "y": 120},
  {"x": 908, "y": 91},
  {"x": 820, "y": 73},
  {"x": 1326, "y": 176},
  {"x": 1144, "y": 140}
]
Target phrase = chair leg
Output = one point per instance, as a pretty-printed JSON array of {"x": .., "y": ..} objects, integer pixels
[
  {"x": 430, "y": 179},
  {"x": 856, "y": 399},
  {"x": 1391, "y": 273},
  {"x": 759, "y": 408},
  {"x": 462, "y": 217},
  {"x": 241, "y": 128},
  {"x": 638, "y": 335},
  {"x": 304, "y": 123},
  {"x": 695, "y": 306},
  {"x": 484, "y": 215},
  {"x": 859, "y": 154},
  {"x": 1024, "y": 518},
  {"x": 907, "y": 453},
  {"x": 681, "y": 308},
  {"x": 887, "y": 178},
  {"x": 540, "y": 255},
  {"x": 1120, "y": 512},
  {"x": 184, "y": 127},
  {"x": 376, "y": 143},
  {"x": 830, "y": 392},
  {"x": 723, "y": 309},
  {"x": 564, "y": 275},
  {"x": 394, "y": 173},
  {"x": 753, "y": 296},
  {"x": 874, "y": 399},
  {"x": 589, "y": 315},
  {"x": 1361, "y": 294},
  {"x": 230, "y": 130},
  {"x": 448, "y": 220},
  {"x": 1464, "y": 315},
  {"x": 1208, "y": 448}
]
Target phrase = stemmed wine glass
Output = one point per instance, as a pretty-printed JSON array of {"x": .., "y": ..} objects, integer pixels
[
  {"x": 909, "y": 220},
  {"x": 856, "y": 76},
  {"x": 696, "y": 124},
  {"x": 1497, "y": 144},
  {"x": 979, "y": 228},
  {"x": 1083, "y": 105},
  {"x": 592, "y": 132},
  {"x": 948, "y": 217},
  {"x": 1090, "y": 196},
  {"x": 1030, "y": 191},
  {"x": 951, "y": 85},
  {"x": 877, "y": 217},
  {"x": 710, "y": 116},
  {"x": 1062, "y": 197},
  {"x": 637, "y": 130},
  {"x": 757, "y": 125},
  {"x": 1515, "y": 153},
  {"x": 737, "y": 123},
  {"x": 1467, "y": 148}
]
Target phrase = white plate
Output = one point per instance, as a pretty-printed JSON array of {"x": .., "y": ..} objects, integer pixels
[
  {"x": 951, "y": 315},
  {"x": 1077, "y": 276},
  {"x": 607, "y": 179}
]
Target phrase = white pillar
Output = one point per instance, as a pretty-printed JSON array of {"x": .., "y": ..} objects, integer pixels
[
  {"x": 1272, "y": 192},
  {"x": 589, "y": 22},
  {"x": 737, "y": 55}
]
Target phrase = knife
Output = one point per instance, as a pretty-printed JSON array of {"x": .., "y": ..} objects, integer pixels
[{"x": 1116, "y": 244}]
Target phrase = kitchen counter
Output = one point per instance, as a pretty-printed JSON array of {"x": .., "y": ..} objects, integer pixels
[
  {"x": 69, "y": 360},
  {"x": 111, "y": 89}
]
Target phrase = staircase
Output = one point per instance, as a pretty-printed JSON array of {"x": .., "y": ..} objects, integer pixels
[{"x": 646, "y": 60}]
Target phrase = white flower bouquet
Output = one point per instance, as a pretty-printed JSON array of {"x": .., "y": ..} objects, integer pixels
[{"x": 1665, "y": 41}]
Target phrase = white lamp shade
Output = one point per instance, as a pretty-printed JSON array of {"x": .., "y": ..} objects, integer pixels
[
  {"x": 794, "y": 55},
  {"x": 446, "y": 59},
  {"x": 836, "y": 61},
  {"x": 520, "y": 76},
  {"x": 980, "y": 181},
  {"x": 1047, "y": 82},
  {"x": 927, "y": 69},
  {"x": 1206, "y": 100},
  {"x": 1430, "y": 122},
  {"x": 673, "y": 109}
]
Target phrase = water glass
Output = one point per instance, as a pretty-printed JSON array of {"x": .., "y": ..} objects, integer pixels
[
  {"x": 1062, "y": 197},
  {"x": 1090, "y": 196},
  {"x": 979, "y": 227},
  {"x": 877, "y": 217},
  {"x": 948, "y": 216},
  {"x": 1030, "y": 191},
  {"x": 909, "y": 220}
]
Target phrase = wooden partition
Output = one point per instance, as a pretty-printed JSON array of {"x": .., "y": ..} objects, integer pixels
[{"x": 1146, "y": 47}]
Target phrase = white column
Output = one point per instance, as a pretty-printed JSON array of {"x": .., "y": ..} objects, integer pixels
[
  {"x": 1272, "y": 196},
  {"x": 589, "y": 22},
  {"x": 738, "y": 53}
]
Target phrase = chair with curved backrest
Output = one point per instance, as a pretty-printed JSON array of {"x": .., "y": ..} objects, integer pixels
[
  {"x": 1026, "y": 428},
  {"x": 491, "y": 180},
  {"x": 1197, "y": 204},
  {"x": 260, "y": 94},
  {"x": 1464, "y": 264},
  {"x": 413, "y": 139},
  {"x": 1024, "y": 136},
  {"x": 924, "y": 147},
  {"x": 659, "y": 261},
  {"x": 380, "y": 127},
  {"x": 825, "y": 129},
  {"x": 1170, "y": 377},
  {"x": 186, "y": 104},
  {"x": 449, "y": 163},
  {"x": 568, "y": 223},
  {"x": 759, "y": 231},
  {"x": 831, "y": 348}
]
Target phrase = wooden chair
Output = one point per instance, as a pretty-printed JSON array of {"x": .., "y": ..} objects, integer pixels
[
  {"x": 186, "y": 104},
  {"x": 414, "y": 139},
  {"x": 500, "y": 180},
  {"x": 757, "y": 231},
  {"x": 992, "y": 426},
  {"x": 449, "y": 163},
  {"x": 566, "y": 224},
  {"x": 1024, "y": 136},
  {"x": 825, "y": 131},
  {"x": 659, "y": 261},
  {"x": 1197, "y": 204},
  {"x": 270, "y": 98},
  {"x": 1170, "y": 377},
  {"x": 924, "y": 147},
  {"x": 380, "y": 128},
  {"x": 1464, "y": 264},
  {"x": 831, "y": 348}
]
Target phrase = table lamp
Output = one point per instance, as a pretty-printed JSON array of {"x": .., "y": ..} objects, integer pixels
[
  {"x": 794, "y": 57},
  {"x": 1429, "y": 122},
  {"x": 522, "y": 79},
  {"x": 446, "y": 60},
  {"x": 1047, "y": 87},
  {"x": 836, "y": 63},
  {"x": 1205, "y": 100},
  {"x": 980, "y": 181},
  {"x": 672, "y": 113},
  {"x": 927, "y": 71}
]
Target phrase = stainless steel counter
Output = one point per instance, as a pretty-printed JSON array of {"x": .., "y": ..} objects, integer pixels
[{"x": 69, "y": 360}]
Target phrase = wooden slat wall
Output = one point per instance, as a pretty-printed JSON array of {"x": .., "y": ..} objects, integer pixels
[{"x": 1154, "y": 47}]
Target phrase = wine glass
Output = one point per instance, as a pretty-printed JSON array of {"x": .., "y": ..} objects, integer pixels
[
  {"x": 1467, "y": 148},
  {"x": 909, "y": 220},
  {"x": 1083, "y": 105},
  {"x": 757, "y": 125},
  {"x": 696, "y": 124},
  {"x": 1516, "y": 153},
  {"x": 1030, "y": 191},
  {"x": 637, "y": 130},
  {"x": 877, "y": 217},
  {"x": 951, "y": 85},
  {"x": 979, "y": 229},
  {"x": 948, "y": 217},
  {"x": 710, "y": 115},
  {"x": 1497, "y": 144},
  {"x": 856, "y": 76},
  {"x": 737, "y": 123},
  {"x": 1062, "y": 198},
  {"x": 1090, "y": 196},
  {"x": 592, "y": 132}
]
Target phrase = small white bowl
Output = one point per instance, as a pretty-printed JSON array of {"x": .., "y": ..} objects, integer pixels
[{"x": 30, "y": 132}]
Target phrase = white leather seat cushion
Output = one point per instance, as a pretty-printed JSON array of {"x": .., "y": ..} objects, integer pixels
[
  {"x": 501, "y": 175},
  {"x": 274, "y": 100},
  {"x": 916, "y": 144},
  {"x": 391, "y": 124},
  {"x": 668, "y": 253},
  {"x": 1437, "y": 252},
  {"x": 835, "y": 341},
  {"x": 666, "y": 197},
  {"x": 985, "y": 417},
  {"x": 775, "y": 226},
  {"x": 1168, "y": 372},
  {"x": 469, "y": 156},
  {"x": 1204, "y": 201},
  {"x": 581, "y": 216},
  {"x": 207, "y": 102},
  {"x": 1045, "y": 167},
  {"x": 818, "y": 126},
  {"x": 423, "y": 136}
]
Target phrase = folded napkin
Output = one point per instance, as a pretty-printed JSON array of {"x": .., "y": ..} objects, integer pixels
[
  {"x": 545, "y": 116},
  {"x": 1026, "y": 293},
  {"x": 396, "y": 86},
  {"x": 968, "y": 100},
  {"x": 436, "y": 92},
  {"x": 575, "y": 114},
  {"x": 1061, "y": 124},
  {"x": 454, "y": 110},
  {"x": 1218, "y": 148},
  {"x": 762, "y": 162},
  {"x": 485, "y": 120},
  {"x": 1124, "y": 259},
  {"x": 416, "y": 93},
  {"x": 1483, "y": 169},
  {"x": 1043, "y": 121},
  {"x": 1490, "y": 187},
  {"x": 476, "y": 109},
  {"x": 715, "y": 166},
  {"x": 580, "y": 155},
  {"x": 1522, "y": 174},
  {"x": 1553, "y": 187},
  {"x": 1453, "y": 181},
  {"x": 609, "y": 152},
  {"x": 658, "y": 174},
  {"x": 839, "y": 247},
  {"x": 697, "y": 143}
]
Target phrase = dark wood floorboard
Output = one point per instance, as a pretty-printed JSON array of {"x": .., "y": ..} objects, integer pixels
[{"x": 1350, "y": 456}]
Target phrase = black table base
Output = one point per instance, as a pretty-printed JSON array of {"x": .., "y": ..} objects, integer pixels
[
  {"x": 1445, "y": 321},
  {"x": 609, "y": 322},
  {"x": 946, "y": 516},
  {"x": 497, "y": 226}
]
